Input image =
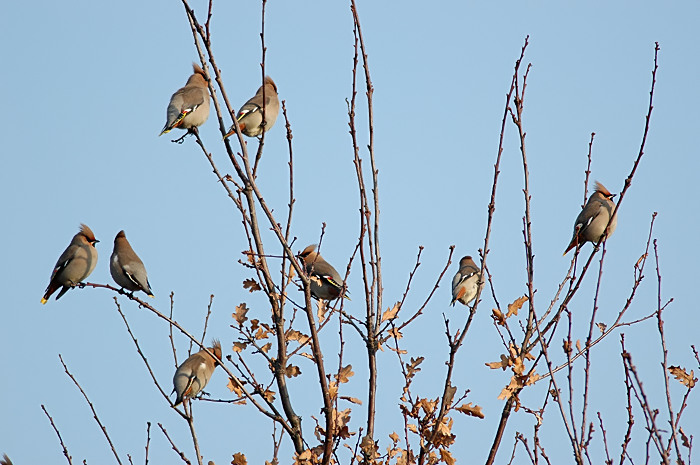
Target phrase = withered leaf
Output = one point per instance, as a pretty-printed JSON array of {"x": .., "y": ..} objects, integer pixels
[
  {"x": 503, "y": 364},
  {"x": 354, "y": 400},
  {"x": 239, "y": 459},
  {"x": 239, "y": 347},
  {"x": 294, "y": 335},
  {"x": 602, "y": 327},
  {"x": 498, "y": 317},
  {"x": 509, "y": 390},
  {"x": 234, "y": 387},
  {"x": 344, "y": 374},
  {"x": 446, "y": 457},
  {"x": 394, "y": 332},
  {"x": 471, "y": 410},
  {"x": 391, "y": 313},
  {"x": 266, "y": 347},
  {"x": 578, "y": 345},
  {"x": 687, "y": 380},
  {"x": 684, "y": 438},
  {"x": 292, "y": 371},
  {"x": 249, "y": 256},
  {"x": 269, "y": 395},
  {"x": 321, "y": 313},
  {"x": 394, "y": 437},
  {"x": 251, "y": 285},
  {"x": 412, "y": 428},
  {"x": 515, "y": 306},
  {"x": 241, "y": 311}
]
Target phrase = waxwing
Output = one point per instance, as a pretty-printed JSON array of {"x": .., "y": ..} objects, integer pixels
[
  {"x": 326, "y": 283},
  {"x": 466, "y": 281},
  {"x": 189, "y": 106},
  {"x": 127, "y": 268},
  {"x": 591, "y": 222},
  {"x": 74, "y": 265},
  {"x": 195, "y": 372},
  {"x": 250, "y": 115}
]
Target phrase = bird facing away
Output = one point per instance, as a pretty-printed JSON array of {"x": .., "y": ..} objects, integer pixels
[
  {"x": 250, "y": 117},
  {"x": 326, "y": 283},
  {"x": 127, "y": 268},
  {"x": 195, "y": 372},
  {"x": 75, "y": 263},
  {"x": 189, "y": 106},
  {"x": 591, "y": 222},
  {"x": 465, "y": 284}
]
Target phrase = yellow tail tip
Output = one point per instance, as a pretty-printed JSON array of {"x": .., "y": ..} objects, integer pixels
[{"x": 43, "y": 301}]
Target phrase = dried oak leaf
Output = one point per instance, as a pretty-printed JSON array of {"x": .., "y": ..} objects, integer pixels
[
  {"x": 354, "y": 400},
  {"x": 602, "y": 327},
  {"x": 391, "y": 313},
  {"x": 266, "y": 347},
  {"x": 446, "y": 457},
  {"x": 471, "y": 410},
  {"x": 269, "y": 395},
  {"x": 239, "y": 459},
  {"x": 234, "y": 387},
  {"x": 239, "y": 316},
  {"x": 239, "y": 347},
  {"x": 503, "y": 364},
  {"x": 498, "y": 317},
  {"x": 394, "y": 437},
  {"x": 344, "y": 374},
  {"x": 321, "y": 313},
  {"x": 292, "y": 371},
  {"x": 251, "y": 285},
  {"x": 515, "y": 306},
  {"x": 687, "y": 380}
]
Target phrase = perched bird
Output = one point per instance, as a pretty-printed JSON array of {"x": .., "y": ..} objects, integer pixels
[
  {"x": 75, "y": 263},
  {"x": 326, "y": 283},
  {"x": 250, "y": 115},
  {"x": 465, "y": 283},
  {"x": 195, "y": 372},
  {"x": 189, "y": 106},
  {"x": 127, "y": 268},
  {"x": 591, "y": 222}
]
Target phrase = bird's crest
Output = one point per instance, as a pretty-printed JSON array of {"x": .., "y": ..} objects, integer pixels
[
  {"x": 87, "y": 232},
  {"x": 216, "y": 348},
  {"x": 307, "y": 251},
  {"x": 197, "y": 69},
  {"x": 601, "y": 188},
  {"x": 268, "y": 80}
]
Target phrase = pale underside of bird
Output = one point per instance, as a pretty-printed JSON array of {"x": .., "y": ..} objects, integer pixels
[{"x": 465, "y": 283}]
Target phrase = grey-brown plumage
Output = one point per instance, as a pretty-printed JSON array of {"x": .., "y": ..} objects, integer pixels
[
  {"x": 74, "y": 265},
  {"x": 465, "y": 283},
  {"x": 591, "y": 222},
  {"x": 189, "y": 106},
  {"x": 250, "y": 118},
  {"x": 127, "y": 268},
  {"x": 195, "y": 372},
  {"x": 326, "y": 282}
]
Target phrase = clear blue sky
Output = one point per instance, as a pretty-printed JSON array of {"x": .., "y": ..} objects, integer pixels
[{"x": 86, "y": 85}]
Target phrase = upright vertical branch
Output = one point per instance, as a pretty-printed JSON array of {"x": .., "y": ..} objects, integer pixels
[
  {"x": 373, "y": 291},
  {"x": 505, "y": 414}
]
